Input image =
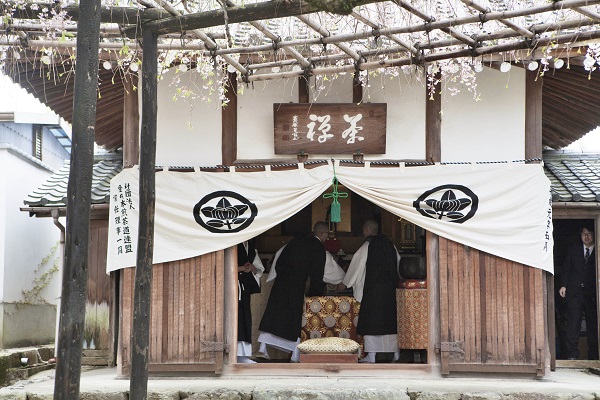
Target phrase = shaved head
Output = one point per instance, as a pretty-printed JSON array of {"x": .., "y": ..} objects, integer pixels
[
  {"x": 320, "y": 227},
  {"x": 370, "y": 228}
]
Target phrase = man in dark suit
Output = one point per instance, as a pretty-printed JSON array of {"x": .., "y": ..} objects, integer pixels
[{"x": 578, "y": 288}]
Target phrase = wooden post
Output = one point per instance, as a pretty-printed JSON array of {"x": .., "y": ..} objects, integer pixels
[
  {"x": 229, "y": 123},
  {"x": 596, "y": 230},
  {"x": 143, "y": 272},
  {"x": 231, "y": 304},
  {"x": 533, "y": 149},
  {"x": 433, "y": 286},
  {"x": 303, "y": 90},
  {"x": 357, "y": 89},
  {"x": 74, "y": 283},
  {"x": 433, "y": 124},
  {"x": 533, "y": 115},
  {"x": 131, "y": 120}
]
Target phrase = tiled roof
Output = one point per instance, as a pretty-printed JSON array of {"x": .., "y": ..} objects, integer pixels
[
  {"x": 53, "y": 192},
  {"x": 575, "y": 177}
]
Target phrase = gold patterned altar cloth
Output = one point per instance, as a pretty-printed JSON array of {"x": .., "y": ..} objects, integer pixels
[
  {"x": 413, "y": 317},
  {"x": 330, "y": 316}
]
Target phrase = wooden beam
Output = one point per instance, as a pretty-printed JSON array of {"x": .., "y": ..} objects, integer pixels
[
  {"x": 229, "y": 122},
  {"x": 555, "y": 115},
  {"x": 74, "y": 282},
  {"x": 131, "y": 123},
  {"x": 433, "y": 123},
  {"x": 247, "y": 13},
  {"x": 117, "y": 15},
  {"x": 140, "y": 348},
  {"x": 533, "y": 115}
]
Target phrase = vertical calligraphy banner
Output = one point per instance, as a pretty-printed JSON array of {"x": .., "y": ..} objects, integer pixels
[{"x": 330, "y": 128}]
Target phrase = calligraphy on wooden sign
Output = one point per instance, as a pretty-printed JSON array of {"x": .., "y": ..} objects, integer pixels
[{"x": 329, "y": 128}]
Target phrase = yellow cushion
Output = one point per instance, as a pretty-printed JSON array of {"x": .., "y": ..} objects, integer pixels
[{"x": 328, "y": 345}]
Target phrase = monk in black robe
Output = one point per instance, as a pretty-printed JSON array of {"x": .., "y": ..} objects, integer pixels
[
  {"x": 373, "y": 275},
  {"x": 301, "y": 259},
  {"x": 250, "y": 269}
]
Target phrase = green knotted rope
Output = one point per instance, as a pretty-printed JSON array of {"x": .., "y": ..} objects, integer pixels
[{"x": 336, "y": 211}]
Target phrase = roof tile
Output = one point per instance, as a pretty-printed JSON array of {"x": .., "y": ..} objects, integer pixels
[{"x": 53, "y": 192}]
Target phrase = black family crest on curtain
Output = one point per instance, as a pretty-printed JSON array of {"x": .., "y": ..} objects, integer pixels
[
  {"x": 224, "y": 212},
  {"x": 452, "y": 203}
]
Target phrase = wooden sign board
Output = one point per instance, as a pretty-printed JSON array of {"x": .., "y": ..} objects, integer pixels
[{"x": 330, "y": 128}]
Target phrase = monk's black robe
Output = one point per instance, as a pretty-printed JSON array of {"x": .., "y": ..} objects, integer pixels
[
  {"x": 378, "y": 305},
  {"x": 301, "y": 259},
  {"x": 247, "y": 286}
]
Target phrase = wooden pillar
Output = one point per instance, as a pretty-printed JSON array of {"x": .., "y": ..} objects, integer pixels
[
  {"x": 74, "y": 282},
  {"x": 140, "y": 348},
  {"x": 303, "y": 90},
  {"x": 131, "y": 123},
  {"x": 433, "y": 285},
  {"x": 231, "y": 303},
  {"x": 533, "y": 149},
  {"x": 533, "y": 115},
  {"x": 433, "y": 124},
  {"x": 229, "y": 123},
  {"x": 357, "y": 89},
  {"x": 596, "y": 230}
]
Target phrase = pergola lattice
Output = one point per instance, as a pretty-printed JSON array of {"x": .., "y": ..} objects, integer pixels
[{"x": 289, "y": 38}]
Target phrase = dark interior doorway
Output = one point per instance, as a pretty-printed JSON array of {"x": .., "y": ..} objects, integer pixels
[{"x": 566, "y": 233}]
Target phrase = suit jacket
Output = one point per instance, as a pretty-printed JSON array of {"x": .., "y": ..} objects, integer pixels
[{"x": 576, "y": 272}]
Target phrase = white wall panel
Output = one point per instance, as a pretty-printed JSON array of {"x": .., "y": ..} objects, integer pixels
[
  {"x": 188, "y": 129},
  {"x": 492, "y": 129}
]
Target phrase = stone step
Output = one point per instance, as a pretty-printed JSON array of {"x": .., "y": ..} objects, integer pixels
[
  {"x": 21, "y": 373},
  {"x": 97, "y": 357}
]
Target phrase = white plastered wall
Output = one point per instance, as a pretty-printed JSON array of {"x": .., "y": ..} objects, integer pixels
[
  {"x": 188, "y": 128},
  {"x": 492, "y": 129},
  {"x": 26, "y": 240},
  {"x": 24, "y": 243},
  {"x": 405, "y": 100}
]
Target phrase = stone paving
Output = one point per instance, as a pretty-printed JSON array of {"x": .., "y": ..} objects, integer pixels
[{"x": 103, "y": 384}]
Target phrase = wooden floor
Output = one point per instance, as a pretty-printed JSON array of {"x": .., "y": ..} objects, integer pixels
[{"x": 578, "y": 364}]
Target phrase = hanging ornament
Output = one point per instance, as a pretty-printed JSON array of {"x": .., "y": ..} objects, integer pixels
[
  {"x": 505, "y": 66},
  {"x": 532, "y": 66},
  {"x": 559, "y": 63},
  {"x": 336, "y": 209}
]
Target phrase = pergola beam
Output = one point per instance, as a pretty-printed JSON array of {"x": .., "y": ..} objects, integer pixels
[
  {"x": 508, "y": 23},
  {"x": 118, "y": 15},
  {"x": 393, "y": 38},
  {"x": 480, "y": 51},
  {"x": 264, "y": 30},
  {"x": 428, "y": 20},
  {"x": 209, "y": 42},
  {"x": 588, "y": 13},
  {"x": 247, "y": 13}
]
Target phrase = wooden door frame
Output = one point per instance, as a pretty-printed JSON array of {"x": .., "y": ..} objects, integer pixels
[{"x": 573, "y": 211}]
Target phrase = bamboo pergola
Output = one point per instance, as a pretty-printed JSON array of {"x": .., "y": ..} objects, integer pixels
[{"x": 264, "y": 40}]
